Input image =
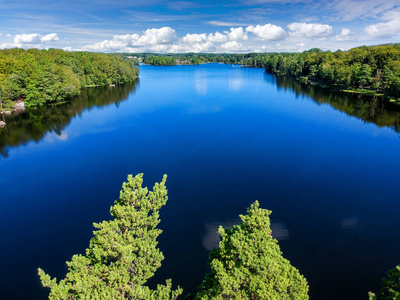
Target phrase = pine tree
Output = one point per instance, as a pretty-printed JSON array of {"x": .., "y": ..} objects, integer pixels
[
  {"x": 249, "y": 265},
  {"x": 390, "y": 289},
  {"x": 123, "y": 253}
]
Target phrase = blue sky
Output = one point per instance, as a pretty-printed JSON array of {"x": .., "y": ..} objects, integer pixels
[{"x": 198, "y": 26}]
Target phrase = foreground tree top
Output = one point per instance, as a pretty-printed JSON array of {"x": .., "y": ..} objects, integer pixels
[
  {"x": 123, "y": 253},
  {"x": 249, "y": 264}
]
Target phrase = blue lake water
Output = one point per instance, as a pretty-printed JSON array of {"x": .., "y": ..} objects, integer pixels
[{"x": 325, "y": 163}]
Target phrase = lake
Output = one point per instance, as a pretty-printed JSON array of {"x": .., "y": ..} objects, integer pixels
[{"x": 325, "y": 163}]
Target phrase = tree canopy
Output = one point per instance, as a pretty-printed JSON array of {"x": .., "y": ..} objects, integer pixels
[
  {"x": 43, "y": 76},
  {"x": 390, "y": 289},
  {"x": 249, "y": 264},
  {"x": 123, "y": 253}
]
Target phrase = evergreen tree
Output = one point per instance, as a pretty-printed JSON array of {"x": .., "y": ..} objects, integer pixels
[
  {"x": 390, "y": 286},
  {"x": 249, "y": 265},
  {"x": 123, "y": 253}
]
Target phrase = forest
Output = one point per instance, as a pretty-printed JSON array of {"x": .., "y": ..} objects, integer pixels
[
  {"x": 38, "y": 77},
  {"x": 373, "y": 70}
]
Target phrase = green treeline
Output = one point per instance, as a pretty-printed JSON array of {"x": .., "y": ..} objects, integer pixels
[
  {"x": 159, "y": 60},
  {"x": 173, "y": 59},
  {"x": 374, "y": 69},
  {"x": 44, "y": 76}
]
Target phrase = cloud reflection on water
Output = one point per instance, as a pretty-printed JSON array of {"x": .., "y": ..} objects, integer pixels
[
  {"x": 279, "y": 231},
  {"x": 350, "y": 223},
  {"x": 235, "y": 84}
]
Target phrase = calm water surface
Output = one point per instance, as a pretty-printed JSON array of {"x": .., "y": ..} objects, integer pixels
[{"x": 326, "y": 164}]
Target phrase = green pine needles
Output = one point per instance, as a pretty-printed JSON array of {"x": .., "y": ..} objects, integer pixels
[
  {"x": 249, "y": 265},
  {"x": 390, "y": 289},
  {"x": 123, "y": 253}
]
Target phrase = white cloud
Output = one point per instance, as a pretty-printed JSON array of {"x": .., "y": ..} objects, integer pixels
[
  {"x": 300, "y": 47},
  {"x": 217, "y": 37},
  {"x": 237, "y": 34},
  {"x": 8, "y": 35},
  {"x": 107, "y": 45},
  {"x": 195, "y": 47},
  {"x": 150, "y": 39},
  {"x": 156, "y": 36},
  {"x": 194, "y": 38},
  {"x": 298, "y": 37},
  {"x": 390, "y": 28},
  {"x": 201, "y": 47},
  {"x": 33, "y": 38},
  {"x": 9, "y": 46},
  {"x": 232, "y": 46},
  {"x": 268, "y": 32},
  {"x": 49, "y": 38},
  {"x": 165, "y": 40},
  {"x": 125, "y": 39},
  {"x": 345, "y": 35},
  {"x": 204, "y": 42},
  {"x": 391, "y": 15},
  {"x": 200, "y": 42},
  {"x": 384, "y": 29},
  {"x": 311, "y": 30}
]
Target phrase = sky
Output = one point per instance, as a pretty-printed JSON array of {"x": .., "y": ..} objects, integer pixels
[{"x": 236, "y": 26}]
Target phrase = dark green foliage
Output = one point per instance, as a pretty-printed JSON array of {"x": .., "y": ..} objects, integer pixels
[
  {"x": 43, "y": 76},
  {"x": 123, "y": 253},
  {"x": 374, "y": 68},
  {"x": 390, "y": 286},
  {"x": 159, "y": 60},
  {"x": 249, "y": 265}
]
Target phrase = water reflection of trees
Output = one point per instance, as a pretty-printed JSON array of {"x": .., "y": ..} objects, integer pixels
[
  {"x": 34, "y": 124},
  {"x": 369, "y": 109}
]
